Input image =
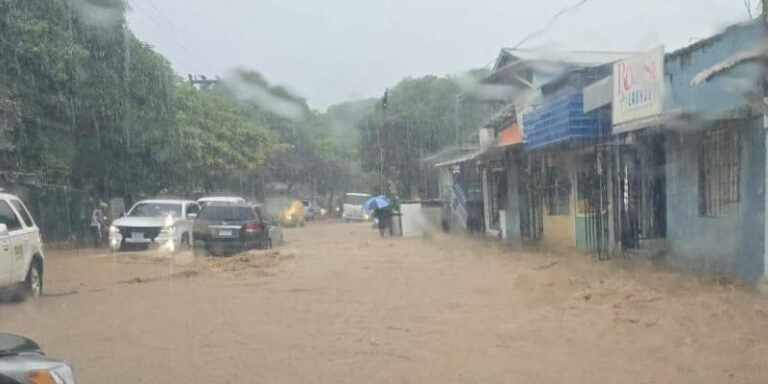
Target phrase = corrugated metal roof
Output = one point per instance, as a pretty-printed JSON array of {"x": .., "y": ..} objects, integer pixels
[
  {"x": 503, "y": 118},
  {"x": 583, "y": 58},
  {"x": 759, "y": 52},
  {"x": 459, "y": 158}
]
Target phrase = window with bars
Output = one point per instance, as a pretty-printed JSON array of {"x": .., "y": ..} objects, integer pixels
[{"x": 719, "y": 172}]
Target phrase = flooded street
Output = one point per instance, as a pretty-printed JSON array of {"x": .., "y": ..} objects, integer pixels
[{"x": 336, "y": 304}]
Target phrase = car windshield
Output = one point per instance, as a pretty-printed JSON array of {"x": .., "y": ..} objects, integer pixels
[
  {"x": 216, "y": 200},
  {"x": 571, "y": 190},
  {"x": 155, "y": 210},
  {"x": 356, "y": 199},
  {"x": 227, "y": 213}
]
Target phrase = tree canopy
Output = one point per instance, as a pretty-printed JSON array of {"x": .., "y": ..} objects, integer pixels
[
  {"x": 417, "y": 117},
  {"x": 84, "y": 103}
]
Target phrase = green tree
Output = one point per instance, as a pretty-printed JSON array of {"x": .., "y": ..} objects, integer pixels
[{"x": 420, "y": 118}]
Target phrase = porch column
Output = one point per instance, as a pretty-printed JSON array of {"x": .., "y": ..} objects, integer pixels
[
  {"x": 487, "y": 215},
  {"x": 512, "y": 205}
]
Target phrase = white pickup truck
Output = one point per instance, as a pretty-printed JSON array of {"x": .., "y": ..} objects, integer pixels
[
  {"x": 165, "y": 224},
  {"x": 21, "y": 249}
]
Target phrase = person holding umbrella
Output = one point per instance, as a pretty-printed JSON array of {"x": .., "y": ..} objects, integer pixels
[{"x": 382, "y": 211}]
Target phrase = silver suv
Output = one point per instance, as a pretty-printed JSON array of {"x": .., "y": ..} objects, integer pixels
[
  {"x": 21, "y": 249},
  {"x": 164, "y": 224}
]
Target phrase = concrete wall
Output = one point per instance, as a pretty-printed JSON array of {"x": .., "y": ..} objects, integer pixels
[
  {"x": 413, "y": 223},
  {"x": 721, "y": 96},
  {"x": 559, "y": 230},
  {"x": 730, "y": 245}
]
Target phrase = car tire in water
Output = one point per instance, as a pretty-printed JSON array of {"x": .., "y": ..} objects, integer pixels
[
  {"x": 199, "y": 252},
  {"x": 33, "y": 284}
]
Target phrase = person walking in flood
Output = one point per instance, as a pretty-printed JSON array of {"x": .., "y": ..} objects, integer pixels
[
  {"x": 382, "y": 212},
  {"x": 98, "y": 224},
  {"x": 384, "y": 220}
]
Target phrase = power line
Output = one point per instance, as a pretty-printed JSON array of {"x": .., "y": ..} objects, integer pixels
[
  {"x": 170, "y": 21},
  {"x": 182, "y": 33},
  {"x": 405, "y": 28},
  {"x": 171, "y": 37},
  {"x": 160, "y": 12},
  {"x": 550, "y": 22},
  {"x": 748, "y": 5}
]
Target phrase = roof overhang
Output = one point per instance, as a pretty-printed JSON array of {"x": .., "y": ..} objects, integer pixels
[
  {"x": 758, "y": 53},
  {"x": 459, "y": 158},
  {"x": 649, "y": 122}
]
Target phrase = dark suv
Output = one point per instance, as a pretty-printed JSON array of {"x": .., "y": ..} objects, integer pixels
[{"x": 223, "y": 229}]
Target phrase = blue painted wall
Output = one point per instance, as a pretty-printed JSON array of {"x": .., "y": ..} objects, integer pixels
[
  {"x": 730, "y": 245},
  {"x": 719, "y": 97}
]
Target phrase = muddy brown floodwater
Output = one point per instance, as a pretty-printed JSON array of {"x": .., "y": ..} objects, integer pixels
[{"x": 336, "y": 304}]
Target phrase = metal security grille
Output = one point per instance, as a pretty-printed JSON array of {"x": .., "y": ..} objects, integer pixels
[
  {"x": 531, "y": 197},
  {"x": 593, "y": 201},
  {"x": 558, "y": 192},
  {"x": 719, "y": 172}
]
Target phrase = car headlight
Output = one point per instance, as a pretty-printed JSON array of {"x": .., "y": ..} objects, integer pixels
[
  {"x": 113, "y": 230},
  {"x": 59, "y": 375}
]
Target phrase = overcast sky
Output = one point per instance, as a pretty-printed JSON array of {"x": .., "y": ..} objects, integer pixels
[{"x": 330, "y": 51}]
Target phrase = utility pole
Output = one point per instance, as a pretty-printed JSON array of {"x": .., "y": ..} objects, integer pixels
[
  {"x": 203, "y": 82},
  {"x": 765, "y": 10},
  {"x": 765, "y": 131},
  {"x": 456, "y": 119},
  {"x": 381, "y": 148}
]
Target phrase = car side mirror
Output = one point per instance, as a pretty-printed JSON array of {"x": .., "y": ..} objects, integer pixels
[
  {"x": 3, "y": 229},
  {"x": 192, "y": 215}
]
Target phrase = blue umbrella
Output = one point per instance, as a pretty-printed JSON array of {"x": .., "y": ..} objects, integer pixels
[{"x": 377, "y": 202}]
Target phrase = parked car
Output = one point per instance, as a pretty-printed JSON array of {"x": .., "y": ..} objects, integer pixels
[
  {"x": 353, "y": 207},
  {"x": 226, "y": 228},
  {"x": 220, "y": 199},
  {"x": 161, "y": 223},
  {"x": 274, "y": 232},
  {"x": 294, "y": 215},
  {"x": 312, "y": 209},
  {"x": 22, "y": 361},
  {"x": 21, "y": 249}
]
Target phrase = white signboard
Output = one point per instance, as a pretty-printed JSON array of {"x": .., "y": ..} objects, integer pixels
[{"x": 638, "y": 87}]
